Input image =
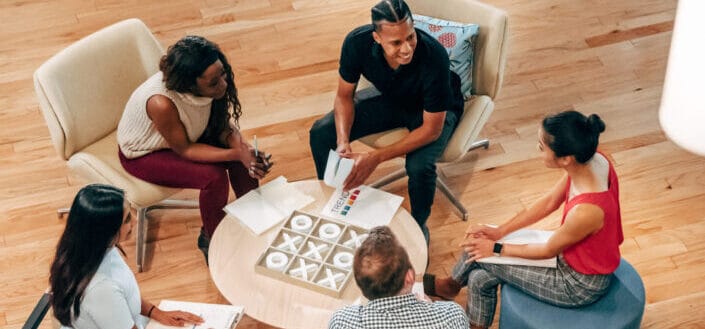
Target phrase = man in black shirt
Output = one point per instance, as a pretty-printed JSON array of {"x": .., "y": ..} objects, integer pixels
[{"x": 413, "y": 88}]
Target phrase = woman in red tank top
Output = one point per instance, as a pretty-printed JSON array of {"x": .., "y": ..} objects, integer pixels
[{"x": 586, "y": 245}]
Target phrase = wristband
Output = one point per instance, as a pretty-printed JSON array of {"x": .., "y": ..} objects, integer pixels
[{"x": 149, "y": 314}]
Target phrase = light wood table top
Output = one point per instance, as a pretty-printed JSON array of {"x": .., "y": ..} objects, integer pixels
[{"x": 234, "y": 250}]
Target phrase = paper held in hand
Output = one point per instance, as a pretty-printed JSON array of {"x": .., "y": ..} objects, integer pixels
[
  {"x": 363, "y": 206},
  {"x": 215, "y": 316},
  {"x": 264, "y": 207},
  {"x": 337, "y": 169},
  {"x": 523, "y": 236}
]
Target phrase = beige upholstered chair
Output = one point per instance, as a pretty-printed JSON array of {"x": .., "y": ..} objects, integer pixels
[
  {"x": 490, "y": 57},
  {"x": 82, "y": 91}
]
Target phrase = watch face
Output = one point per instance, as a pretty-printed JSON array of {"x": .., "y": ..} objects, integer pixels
[{"x": 497, "y": 248}]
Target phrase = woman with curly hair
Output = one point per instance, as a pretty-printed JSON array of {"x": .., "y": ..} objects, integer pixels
[{"x": 180, "y": 129}]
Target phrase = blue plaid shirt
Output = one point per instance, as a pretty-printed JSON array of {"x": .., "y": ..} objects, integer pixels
[{"x": 400, "y": 312}]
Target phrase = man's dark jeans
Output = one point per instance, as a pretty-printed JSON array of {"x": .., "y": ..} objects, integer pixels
[{"x": 374, "y": 114}]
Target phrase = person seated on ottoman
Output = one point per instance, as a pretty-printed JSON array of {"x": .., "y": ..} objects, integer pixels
[{"x": 586, "y": 244}]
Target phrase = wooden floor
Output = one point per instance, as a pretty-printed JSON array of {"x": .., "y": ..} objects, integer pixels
[{"x": 605, "y": 57}]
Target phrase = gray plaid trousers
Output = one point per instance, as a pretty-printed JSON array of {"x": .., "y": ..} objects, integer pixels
[{"x": 561, "y": 286}]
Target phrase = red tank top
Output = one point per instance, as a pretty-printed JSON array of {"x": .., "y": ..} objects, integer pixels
[{"x": 598, "y": 253}]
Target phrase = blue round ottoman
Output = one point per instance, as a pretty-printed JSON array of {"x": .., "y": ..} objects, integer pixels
[{"x": 621, "y": 307}]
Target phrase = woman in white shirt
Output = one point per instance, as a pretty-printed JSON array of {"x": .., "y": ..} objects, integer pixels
[{"x": 92, "y": 285}]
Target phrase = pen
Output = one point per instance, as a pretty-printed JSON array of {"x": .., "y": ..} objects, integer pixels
[
  {"x": 200, "y": 316},
  {"x": 256, "y": 151}
]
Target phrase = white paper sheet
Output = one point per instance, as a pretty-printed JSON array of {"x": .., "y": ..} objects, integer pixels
[
  {"x": 523, "y": 236},
  {"x": 363, "y": 206},
  {"x": 215, "y": 316},
  {"x": 266, "y": 206},
  {"x": 337, "y": 169}
]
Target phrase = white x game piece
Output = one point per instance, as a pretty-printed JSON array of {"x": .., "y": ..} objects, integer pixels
[
  {"x": 303, "y": 269},
  {"x": 331, "y": 279},
  {"x": 289, "y": 242},
  {"x": 314, "y": 250},
  {"x": 355, "y": 240}
]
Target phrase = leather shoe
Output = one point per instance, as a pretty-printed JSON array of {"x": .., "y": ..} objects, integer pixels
[{"x": 445, "y": 289}]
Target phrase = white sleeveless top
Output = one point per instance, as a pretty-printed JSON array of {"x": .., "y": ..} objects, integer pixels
[{"x": 137, "y": 135}]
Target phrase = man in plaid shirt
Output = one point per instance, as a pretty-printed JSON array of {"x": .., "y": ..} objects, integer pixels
[{"x": 385, "y": 276}]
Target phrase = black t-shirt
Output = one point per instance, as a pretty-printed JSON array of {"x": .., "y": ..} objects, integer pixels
[{"x": 426, "y": 83}]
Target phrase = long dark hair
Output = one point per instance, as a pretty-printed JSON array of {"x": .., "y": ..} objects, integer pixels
[
  {"x": 184, "y": 62},
  {"x": 572, "y": 133},
  {"x": 92, "y": 226},
  {"x": 392, "y": 11}
]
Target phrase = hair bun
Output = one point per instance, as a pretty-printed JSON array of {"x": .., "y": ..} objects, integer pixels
[{"x": 595, "y": 123}]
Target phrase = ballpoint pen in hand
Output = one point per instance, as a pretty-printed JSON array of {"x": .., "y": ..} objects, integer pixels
[
  {"x": 194, "y": 325},
  {"x": 256, "y": 151}
]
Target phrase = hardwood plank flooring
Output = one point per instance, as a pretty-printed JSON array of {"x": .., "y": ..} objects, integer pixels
[{"x": 605, "y": 57}]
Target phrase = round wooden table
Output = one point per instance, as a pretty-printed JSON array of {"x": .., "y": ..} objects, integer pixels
[{"x": 234, "y": 250}]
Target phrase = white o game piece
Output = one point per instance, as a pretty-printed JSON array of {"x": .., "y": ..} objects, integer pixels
[
  {"x": 301, "y": 223},
  {"x": 329, "y": 231},
  {"x": 276, "y": 261},
  {"x": 343, "y": 259}
]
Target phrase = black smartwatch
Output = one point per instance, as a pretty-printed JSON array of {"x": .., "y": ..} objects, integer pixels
[{"x": 497, "y": 250}]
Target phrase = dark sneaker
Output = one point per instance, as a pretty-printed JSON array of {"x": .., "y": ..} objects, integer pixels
[{"x": 203, "y": 243}]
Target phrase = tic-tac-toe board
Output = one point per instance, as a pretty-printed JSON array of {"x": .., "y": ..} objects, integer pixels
[{"x": 312, "y": 252}]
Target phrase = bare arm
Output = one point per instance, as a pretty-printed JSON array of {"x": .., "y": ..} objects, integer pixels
[
  {"x": 543, "y": 207},
  {"x": 344, "y": 112},
  {"x": 581, "y": 221},
  {"x": 170, "y": 318},
  {"x": 163, "y": 113}
]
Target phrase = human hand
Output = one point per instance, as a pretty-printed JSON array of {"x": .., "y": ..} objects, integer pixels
[
  {"x": 365, "y": 164},
  {"x": 175, "y": 318},
  {"x": 344, "y": 149},
  {"x": 261, "y": 166},
  {"x": 483, "y": 230},
  {"x": 477, "y": 248}
]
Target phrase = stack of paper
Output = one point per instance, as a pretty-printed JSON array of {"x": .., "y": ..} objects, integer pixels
[
  {"x": 523, "y": 236},
  {"x": 264, "y": 207},
  {"x": 337, "y": 169},
  {"x": 215, "y": 316},
  {"x": 363, "y": 206}
]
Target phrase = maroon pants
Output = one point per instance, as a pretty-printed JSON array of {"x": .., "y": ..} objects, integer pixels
[{"x": 166, "y": 168}]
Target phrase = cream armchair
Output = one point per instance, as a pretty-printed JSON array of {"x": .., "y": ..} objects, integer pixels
[
  {"x": 488, "y": 71},
  {"x": 82, "y": 92}
]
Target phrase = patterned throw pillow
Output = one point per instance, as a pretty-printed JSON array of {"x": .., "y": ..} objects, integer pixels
[{"x": 459, "y": 40}]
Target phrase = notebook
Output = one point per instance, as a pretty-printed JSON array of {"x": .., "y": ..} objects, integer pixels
[
  {"x": 363, "y": 206},
  {"x": 215, "y": 316},
  {"x": 266, "y": 206},
  {"x": 523, "y": 236},
  {"x": 337, "y": 169}
]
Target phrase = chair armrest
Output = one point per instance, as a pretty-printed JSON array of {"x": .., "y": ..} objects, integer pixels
[
  {"x": 477, "y": 112},
  {"x": 38, "y": 313}
]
